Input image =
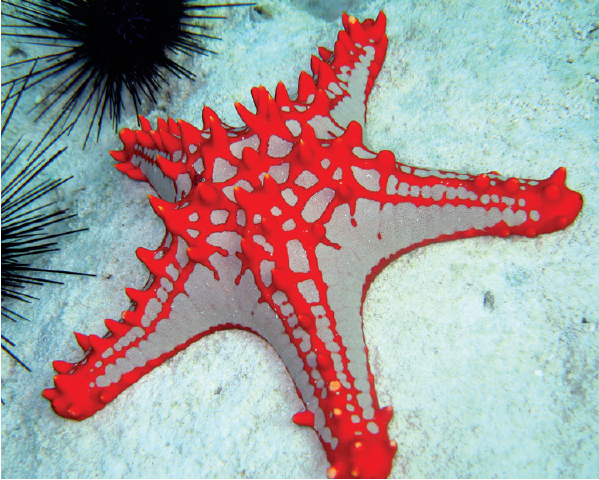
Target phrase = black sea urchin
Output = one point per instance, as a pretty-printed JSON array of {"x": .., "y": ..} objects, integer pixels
[
  {"x": 26, "y": 222},
  {"x": 105, "y": 47}
]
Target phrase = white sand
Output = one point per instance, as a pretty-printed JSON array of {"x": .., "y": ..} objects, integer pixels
[{"x": 507, "y": 391}]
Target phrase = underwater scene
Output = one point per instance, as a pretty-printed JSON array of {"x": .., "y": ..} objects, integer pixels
[{"x": 331, "y": 239}]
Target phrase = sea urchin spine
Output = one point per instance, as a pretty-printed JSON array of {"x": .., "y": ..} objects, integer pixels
[{"x": 25, "y": 227}]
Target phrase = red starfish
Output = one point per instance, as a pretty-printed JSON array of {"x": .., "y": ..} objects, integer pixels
[{"x": 279, "y": 227}]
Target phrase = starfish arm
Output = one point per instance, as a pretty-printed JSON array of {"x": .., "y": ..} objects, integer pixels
[
  {"x": 398, "y": 208},
  {"x": 283, "y": 250},
  {"x": 378, "y": 209},
  {"x": 174, "y": 310},
  {"x": 335, "y": 95},
  {"x": 348, "y": 73}
]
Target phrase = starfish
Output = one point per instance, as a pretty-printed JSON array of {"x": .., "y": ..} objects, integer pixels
[{"x": 279, "y": 227}]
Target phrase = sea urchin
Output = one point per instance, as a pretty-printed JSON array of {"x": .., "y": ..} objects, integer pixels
[
  {"x": 106, "y": 47},
  {"x": 27, "y": 219}
]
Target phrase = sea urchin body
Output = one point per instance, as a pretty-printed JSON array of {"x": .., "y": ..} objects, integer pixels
[{"x": 107, "y": 48}]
